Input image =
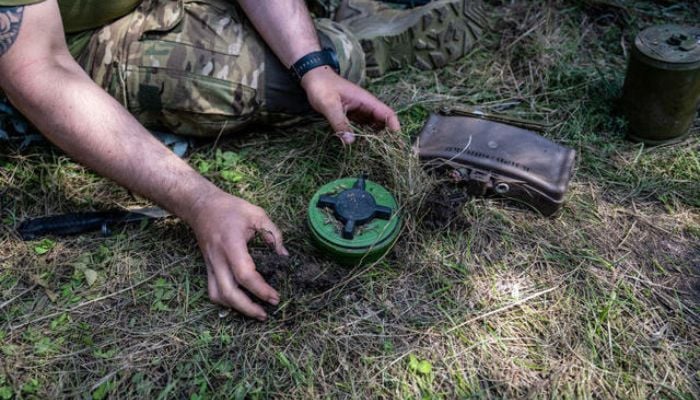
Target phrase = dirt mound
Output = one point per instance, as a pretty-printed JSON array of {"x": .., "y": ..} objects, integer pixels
[
  {"x": 442, "y": 209},
  {"x": 297, "y": 273}
]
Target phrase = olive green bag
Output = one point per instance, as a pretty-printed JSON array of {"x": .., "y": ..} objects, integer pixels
[{"x": 488, "y": 158}]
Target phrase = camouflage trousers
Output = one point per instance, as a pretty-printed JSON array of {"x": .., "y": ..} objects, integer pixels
[
  {"x": 323, "y": 8},
  {"x": 198, "y": 68}
]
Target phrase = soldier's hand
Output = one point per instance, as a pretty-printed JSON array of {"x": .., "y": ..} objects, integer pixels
[
  {"x": 340, "y": 101},
  {"x": 224, "y": 224}
]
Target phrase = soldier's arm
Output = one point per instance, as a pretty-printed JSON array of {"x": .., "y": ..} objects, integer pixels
[
  {"x": 42, "y": 80},
  {"x": 286, "y": 27}
]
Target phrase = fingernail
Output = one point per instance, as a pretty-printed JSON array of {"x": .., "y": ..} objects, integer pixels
[
  {"x": 347, "y": 137},
  {"x": 285, "y": 252},
  {"x": 262, "y": 318},
  {"x": 273, "y": 300}
]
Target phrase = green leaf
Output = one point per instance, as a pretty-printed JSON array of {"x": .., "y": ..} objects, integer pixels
[
  {"x": 232, "y": 176},
  {"x": 90, "y": 276},
  {"x": 424, "y": 367},
  {"x": 388, "y": 346},
  {"x": 59, "y": 322},
  {"x": 159, "y": 306},
  {"x": 31, "y": 386},
  {"x": 44, "y": 346},
  {"x": 107, "y": 355},
  {"x": 102, "y": 391},
  {"x": 6, "y": 393},
  {"x": 205, "y": 337},
  {"x": 10, "y": 349},
  {"x": 44, "y": 246},
  {"x": 225, "y": 159},
  {"x": 229, "y": 158},
  {"x": 412, "y": 362},
  {"x": 204, "y": 167}
]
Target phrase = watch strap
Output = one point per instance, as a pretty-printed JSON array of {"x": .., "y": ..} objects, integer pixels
[{"x": 314, "y": 60}]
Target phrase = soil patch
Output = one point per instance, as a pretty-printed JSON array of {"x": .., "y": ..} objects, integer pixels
[
  {"x": 297, "y": 273},
  {"x": 442, "y": 208}
]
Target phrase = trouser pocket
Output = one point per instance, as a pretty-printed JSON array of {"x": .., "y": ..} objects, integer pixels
[{"x": 192, "y": 67}]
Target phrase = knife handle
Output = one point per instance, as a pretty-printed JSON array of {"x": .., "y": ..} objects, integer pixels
[{"x": 72, "y": 223}]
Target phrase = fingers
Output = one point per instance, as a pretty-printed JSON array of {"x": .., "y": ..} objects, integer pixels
[
  {"x": 212, "y": 287},
  {"x": 223, "y": 237},
  {"x": 272, "y": 236},
  {"x": 346, "y": 137},
  {"x": 243, "y": 268},
  {"x": 334, "y": 97},
  {"x": 335, "y": 114},
  {"x": 368, "y": 107},
  {"x": 392, "y": 121},
  {"x": 229, "y": 293}
]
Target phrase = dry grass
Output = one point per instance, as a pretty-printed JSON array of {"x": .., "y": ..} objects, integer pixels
[{"x": 600, "y": 302}]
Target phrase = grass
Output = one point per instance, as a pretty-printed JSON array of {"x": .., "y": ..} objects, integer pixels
[{"x": 601, "y": 302}]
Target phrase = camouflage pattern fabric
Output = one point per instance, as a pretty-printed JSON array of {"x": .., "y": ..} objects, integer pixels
[
  {"x": 329, "y": 8},
  {"x": 194, "y": 67},
  {"x": 323, "y": 8},
  {"x": 350, "y": 54}
]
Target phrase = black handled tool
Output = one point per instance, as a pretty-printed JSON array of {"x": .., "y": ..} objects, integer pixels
[{"x": 76, "y": 223}]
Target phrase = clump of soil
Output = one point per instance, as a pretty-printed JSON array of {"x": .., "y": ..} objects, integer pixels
[
  {"x": 605, "y": 13},
  {"x": 442, "y": 208},
  {"x": 297, "y": 273}
]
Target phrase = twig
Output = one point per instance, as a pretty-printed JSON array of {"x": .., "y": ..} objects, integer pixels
[
  {"x": 627, "y": 235},
  {"x": 8, "y": 302},
  {"x": 524, "y": 35},
  {"x": 107, "y": 377},
  {"x": 504, "y": 308},
  {"x": 391, "y": 364},
  {"x": 650, "y": 283}
]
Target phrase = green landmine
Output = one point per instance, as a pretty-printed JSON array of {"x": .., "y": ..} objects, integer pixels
[
  {"x": 662, "y": 88},
  {"x": 354, "y": 220}
]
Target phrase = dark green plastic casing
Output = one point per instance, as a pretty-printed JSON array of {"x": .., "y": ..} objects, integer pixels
[{"x": 662, "y": 89}]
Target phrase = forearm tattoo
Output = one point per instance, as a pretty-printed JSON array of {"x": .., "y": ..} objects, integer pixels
[{"x": 10, "y": 20}]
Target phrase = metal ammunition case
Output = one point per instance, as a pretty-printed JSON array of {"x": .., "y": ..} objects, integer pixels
[{"x": 662, "y": 89}]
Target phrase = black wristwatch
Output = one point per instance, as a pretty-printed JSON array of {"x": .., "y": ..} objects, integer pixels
[{"x": 313, "y": 60}]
